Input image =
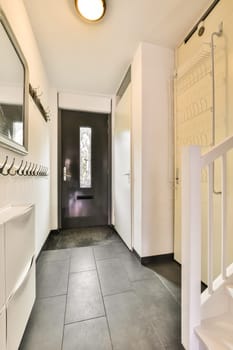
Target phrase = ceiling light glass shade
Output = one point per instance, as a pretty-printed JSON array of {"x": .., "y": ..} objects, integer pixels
[{"x": 91, "y": 10}]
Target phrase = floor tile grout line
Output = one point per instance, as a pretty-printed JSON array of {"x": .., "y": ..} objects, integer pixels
[
  {"x": 118, "y": 293},
  {"x": 53, "y": 260},
  {"x": 84, "y": 320},
  {"x": 68, "y": 280},
  {"x": 112, "y": 257},
  {"x": 74, "y": 272},
  {"x": 50, "y": 296},
  {"x": 106, "y": 316}
]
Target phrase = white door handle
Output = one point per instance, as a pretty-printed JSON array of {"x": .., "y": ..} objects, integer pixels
[{"x": 129, "y": 177}]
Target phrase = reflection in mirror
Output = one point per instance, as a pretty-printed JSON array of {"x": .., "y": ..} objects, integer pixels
[{"x": 13, "y": 98}]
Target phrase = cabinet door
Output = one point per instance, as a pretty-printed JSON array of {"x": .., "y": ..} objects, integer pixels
[
  {"x": 2, "y": 268},
  {"x": 20, "y": 247},
  {"x": 3, "y": 329},
  {"x": 19, "y": 308}
]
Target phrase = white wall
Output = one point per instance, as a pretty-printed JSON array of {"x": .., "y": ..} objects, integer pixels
[
  {"x": 90, "y": 103},
  {"x": 15, "y": 190},
  {"x": 11, "y": 94},
  {"x": 152, "y": 71}
]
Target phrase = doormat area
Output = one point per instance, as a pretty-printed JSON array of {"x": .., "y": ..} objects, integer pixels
[{"x": 81, "y": 237}]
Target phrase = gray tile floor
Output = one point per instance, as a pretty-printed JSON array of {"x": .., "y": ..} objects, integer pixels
[{"x": 101, "y": 298}]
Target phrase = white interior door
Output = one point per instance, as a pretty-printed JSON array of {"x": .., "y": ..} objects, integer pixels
[{"x": 123, "y": 168}]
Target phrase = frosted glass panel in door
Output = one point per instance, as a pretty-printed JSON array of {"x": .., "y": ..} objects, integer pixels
[
  {"x": 123, "y": 168},
  {"x": 85, "y": 157}
]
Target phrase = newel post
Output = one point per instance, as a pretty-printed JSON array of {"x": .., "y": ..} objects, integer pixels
[{"x": 191, "y": 244}]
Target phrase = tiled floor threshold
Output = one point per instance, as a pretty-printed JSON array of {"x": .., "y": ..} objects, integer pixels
[{"x": 100, "y": 298}]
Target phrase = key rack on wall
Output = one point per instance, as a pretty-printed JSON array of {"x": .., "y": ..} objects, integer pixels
[
  {"x": 36, "y": 98},
  {"x": 24, "y": 168}
]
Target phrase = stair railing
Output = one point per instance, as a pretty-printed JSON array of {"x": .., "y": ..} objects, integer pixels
[{"x": 192, "y": 164}]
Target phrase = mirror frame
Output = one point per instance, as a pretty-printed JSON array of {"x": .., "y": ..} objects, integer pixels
[{"x": 5, "y": 141}]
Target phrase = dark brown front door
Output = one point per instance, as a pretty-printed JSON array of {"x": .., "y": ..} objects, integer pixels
[{"x": 84, "y": 169}]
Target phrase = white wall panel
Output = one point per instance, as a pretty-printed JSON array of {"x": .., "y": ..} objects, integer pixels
[{"x": 2, "y": 267}]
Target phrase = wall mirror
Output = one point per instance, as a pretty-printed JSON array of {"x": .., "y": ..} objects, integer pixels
[{"x": 14, "y": 85}]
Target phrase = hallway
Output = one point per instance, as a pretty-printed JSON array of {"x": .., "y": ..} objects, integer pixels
[{"x": 100, "y": 297}]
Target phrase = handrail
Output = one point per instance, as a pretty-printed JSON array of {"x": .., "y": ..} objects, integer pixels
[
  {"x": 214, "y": 34},
  {"x": 216, "y": 152}
]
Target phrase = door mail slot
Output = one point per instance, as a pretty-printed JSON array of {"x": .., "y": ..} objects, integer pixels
[{"x": 85, "y": 196}]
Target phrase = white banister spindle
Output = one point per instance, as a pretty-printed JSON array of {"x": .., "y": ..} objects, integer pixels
[
  {"x": 210, "y": 226},
  {"x": 192, "y": 163},
  {"x": 191, "y": 245},
  {"x": 224, "y": 218}
]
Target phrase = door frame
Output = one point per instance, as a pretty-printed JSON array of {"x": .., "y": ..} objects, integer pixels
[{"x": 59, "y": 163}]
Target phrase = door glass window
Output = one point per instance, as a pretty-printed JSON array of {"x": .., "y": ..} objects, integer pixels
[{"x": 85, "y": 157}]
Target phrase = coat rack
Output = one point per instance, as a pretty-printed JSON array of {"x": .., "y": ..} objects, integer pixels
[
  {"x": 25, "y": 168},
  {"x": 36, "y": 98}
]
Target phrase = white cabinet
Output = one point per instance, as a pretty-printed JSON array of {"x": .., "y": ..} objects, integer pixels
[
  {"x": 2, "y": 269},
  {"x": 3, "y": 328},
  {"x": 19, "y": 247},
  {"x": 2, "y": 292},
  {"x": 19, "y": 308},
  {"x": 17, "y": 255}
]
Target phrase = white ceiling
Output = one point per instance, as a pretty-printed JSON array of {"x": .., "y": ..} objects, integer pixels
[{"x": 92, "y": 58}]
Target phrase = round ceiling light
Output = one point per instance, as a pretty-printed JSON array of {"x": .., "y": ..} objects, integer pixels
[{"x": 91, "y": 10}]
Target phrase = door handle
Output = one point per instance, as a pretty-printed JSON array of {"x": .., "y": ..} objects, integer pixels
[{"x": 129, "y": 177}]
